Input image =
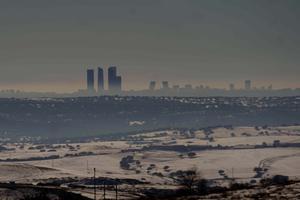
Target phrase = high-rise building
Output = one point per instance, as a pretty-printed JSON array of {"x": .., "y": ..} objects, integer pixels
[
  {"x": 231, "y": 86},
  {"x": 270, "y": 87},
  {"x": 152, "y": 85},
  {"x": 112, "y": 73},
  {"x": 176, "y": 87},
  {"x": 118, "y": 85},
  {"x": 165, "y": 85},
  {"x": 114, "y": 81},
  {"x": 188, "y": 86},
  {"x": 90, "y": 80},
  {"x": 100, "y": 79},
  {"x": 247, "y": 84}
]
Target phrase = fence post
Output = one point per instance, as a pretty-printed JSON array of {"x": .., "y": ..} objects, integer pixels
[
  {"x": 95, "y": 194},
  {"x": 116, "y": 191}
]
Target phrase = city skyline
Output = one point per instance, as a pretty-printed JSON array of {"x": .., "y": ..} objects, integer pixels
[
  {"x": 96, "y": 80},
  {"x": 78, "y": 82},
  {"x": 102, "y": 70},
  {"x": 149, "y": 99},
  {"x": 113, "y": 83},
  {"x": 101, "y": 81},
  {"x": 197, "y": 42}
]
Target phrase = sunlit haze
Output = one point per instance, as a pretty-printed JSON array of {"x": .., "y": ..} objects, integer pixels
[{"x": 48, "y": 45}]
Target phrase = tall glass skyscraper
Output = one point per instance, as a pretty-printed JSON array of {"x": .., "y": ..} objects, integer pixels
[
  {"x": 100, "y": 80},
  {"x": 114, "y": 81},
  {"x": 90, "y": 80}
]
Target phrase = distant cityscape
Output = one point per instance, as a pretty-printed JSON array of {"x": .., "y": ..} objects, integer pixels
[
  {"x": 114, "y": 87},
  {"x": 114, "y": 82}
]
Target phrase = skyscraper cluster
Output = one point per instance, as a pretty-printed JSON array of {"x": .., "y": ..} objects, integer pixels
[
  {"x": 114, "y": 81},
  {"x": 164, "y": 88}
]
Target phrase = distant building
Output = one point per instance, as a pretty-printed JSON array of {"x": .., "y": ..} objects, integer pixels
[
  {"x": 231, "y": 86},
  {"x": 90, "y": 80},
  {"x": 118, "y": 85},
  {"x": 152, "y": 85},
  {"x": 165, "y": 85},
  {"x": 100, "y": 80},
  {"x": 247, "y": 84},
  {"x": 112, "y": 73},
  {"x": 176, "y": 87},
  {"x": 114, "y": 81},
  {"x": 270, "y": 87},
  {"x": 188, "y": 86}
]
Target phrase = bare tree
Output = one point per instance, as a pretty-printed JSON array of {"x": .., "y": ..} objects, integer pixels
[{"x": 188, "y": 179}]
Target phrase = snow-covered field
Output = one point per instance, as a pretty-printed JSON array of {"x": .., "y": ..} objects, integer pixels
[{"x": 239, "y": 163}]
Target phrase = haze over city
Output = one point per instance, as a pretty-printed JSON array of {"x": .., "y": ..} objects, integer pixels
[
  {"x": 48, "y": 45},
  {"x": 149, "y": 99}
]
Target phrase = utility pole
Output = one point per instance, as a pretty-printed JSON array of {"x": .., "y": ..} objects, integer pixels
[
  {"x": 104, "y": 190},
  {"x": 87, "y": 167},
  {"x": 95, "y": 195},
  {"x": 116, "y": 191}
]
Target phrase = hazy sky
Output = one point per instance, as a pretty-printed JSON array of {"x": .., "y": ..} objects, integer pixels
[{"x": 48, "y": 44}]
